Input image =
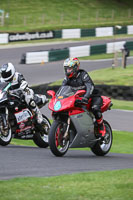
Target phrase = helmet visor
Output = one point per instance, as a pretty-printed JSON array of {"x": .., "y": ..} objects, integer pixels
[
  {"x": 68, "y": 71},
  {"x": 6, "y": 74}
]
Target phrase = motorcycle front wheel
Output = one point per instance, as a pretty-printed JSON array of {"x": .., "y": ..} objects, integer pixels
[
  {"x": 40, "y": 138},
  {"x": 57, "y": 142},
  {"x": 103, "y": 146},
  {"x": 5, "y": 137}
]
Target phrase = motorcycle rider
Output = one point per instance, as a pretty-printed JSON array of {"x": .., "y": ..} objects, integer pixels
[
  {"x": 17, "y": 80},
  {"x": 80, "y": 79}
]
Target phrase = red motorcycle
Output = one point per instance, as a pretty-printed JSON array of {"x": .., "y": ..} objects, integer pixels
[{"x": 74, "y": 125}]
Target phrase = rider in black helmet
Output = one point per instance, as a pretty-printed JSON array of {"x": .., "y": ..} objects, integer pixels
[{"x": 79, "y": 78}]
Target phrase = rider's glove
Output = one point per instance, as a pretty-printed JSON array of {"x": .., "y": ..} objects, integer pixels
[{"x": 84, "y": 100}]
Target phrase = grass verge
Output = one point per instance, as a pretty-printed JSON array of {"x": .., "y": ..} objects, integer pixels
[
  {"x": 49, "y": 15},
  {"x": 109, "y": 76},
  {"x": 117, "y": 76},
  {"x": 122, "y": 142},
  {"x": 108, "y": 185},
  {"x": 123, "y": 105},
  {"x": 103, "y": 56}
]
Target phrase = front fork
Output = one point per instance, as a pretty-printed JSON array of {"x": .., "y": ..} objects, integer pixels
[
  {"x": 4, "y": 124},
  {"x": 68, "y": 125}
]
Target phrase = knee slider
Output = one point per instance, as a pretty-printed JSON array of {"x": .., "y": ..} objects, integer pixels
[
  {"x": 95, "y": 108},
  {"x": 32, "y": 104},
  {"x": 96, "y": 111}
]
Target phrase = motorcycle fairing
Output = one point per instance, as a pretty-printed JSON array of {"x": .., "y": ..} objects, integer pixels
[
  {"x": 3, "y": 96},
  {"x": 64, "y": 105},
  {"x": 24, "y": 133},
  {"x": 84, "y": 126}
]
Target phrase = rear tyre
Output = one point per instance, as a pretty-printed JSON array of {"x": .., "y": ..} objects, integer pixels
[
  {"x": 103, "y": 146},
  {"x": 58, "y": 144},
  {"x": 40, "y": 138}
]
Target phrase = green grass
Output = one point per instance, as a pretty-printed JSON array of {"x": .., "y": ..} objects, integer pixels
[
  {"x": 103, "y": 56},
  {"x": 55, "y": 14},
  {"x": 109, "y": 76},
  {"x": 122, "y": 142},
  {"x": 108, "y": 185},
  {"x": 117, "y": 76},
  {"x": 121, "y": 104},
  {"x": 23, "y": 142}
]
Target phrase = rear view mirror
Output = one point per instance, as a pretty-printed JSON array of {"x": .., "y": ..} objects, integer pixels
[
  {"x": 80, "y": 92},
  {"x": 51, "y": 93}
]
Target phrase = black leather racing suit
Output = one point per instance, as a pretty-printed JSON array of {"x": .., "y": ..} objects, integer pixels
[{"x": 83, "y": 81}]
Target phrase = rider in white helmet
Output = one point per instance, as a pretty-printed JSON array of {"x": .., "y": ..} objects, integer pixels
[{"x": 17, "y": 80}]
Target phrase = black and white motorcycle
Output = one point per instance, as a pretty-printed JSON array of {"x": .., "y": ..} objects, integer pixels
[{"x": 17, "y": 119}]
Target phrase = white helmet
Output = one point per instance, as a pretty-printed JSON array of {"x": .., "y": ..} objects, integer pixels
[{"x": 7, "y": 71}]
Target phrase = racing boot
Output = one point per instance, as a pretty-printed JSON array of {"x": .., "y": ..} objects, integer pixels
[
  {"x": 39, "y": 117},
  {"x": 101, "y": 127}
]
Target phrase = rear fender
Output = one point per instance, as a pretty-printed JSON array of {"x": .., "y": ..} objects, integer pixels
[{"x": 106, "y": 103}]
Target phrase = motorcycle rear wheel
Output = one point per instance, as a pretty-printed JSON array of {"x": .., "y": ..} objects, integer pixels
[
  {"x": 6, "y": 139},
  {"x": 58, "y": 144},
  {"x": 41, "y": 138},
  {"x": 103, "y": 146}
]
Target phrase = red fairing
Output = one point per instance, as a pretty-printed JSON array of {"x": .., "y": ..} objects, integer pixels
[
  {"x": 68, "y": 104},
  {"x": 106, "y": 103},
  {"x": 76, "y": 111}
]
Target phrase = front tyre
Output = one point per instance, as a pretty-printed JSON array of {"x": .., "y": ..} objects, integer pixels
[
  {"x": 103, "y": 146},
  {"x": 5, "y": 136},
  {"x": 40, "y": 138},
  {"x": 57, "y": 142}
]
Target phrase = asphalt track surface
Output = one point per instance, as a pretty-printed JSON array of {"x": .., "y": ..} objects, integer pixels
[{"x": 19, "y": 161}]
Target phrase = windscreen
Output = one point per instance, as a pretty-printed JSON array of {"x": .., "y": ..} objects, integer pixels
[{"x": 66, "y": 91}]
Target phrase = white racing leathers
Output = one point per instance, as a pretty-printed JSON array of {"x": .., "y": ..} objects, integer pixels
[{"x": 19, "y": 83}]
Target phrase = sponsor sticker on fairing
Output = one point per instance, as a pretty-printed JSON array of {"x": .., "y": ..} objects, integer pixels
[{"x": 23, "y": 115}]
